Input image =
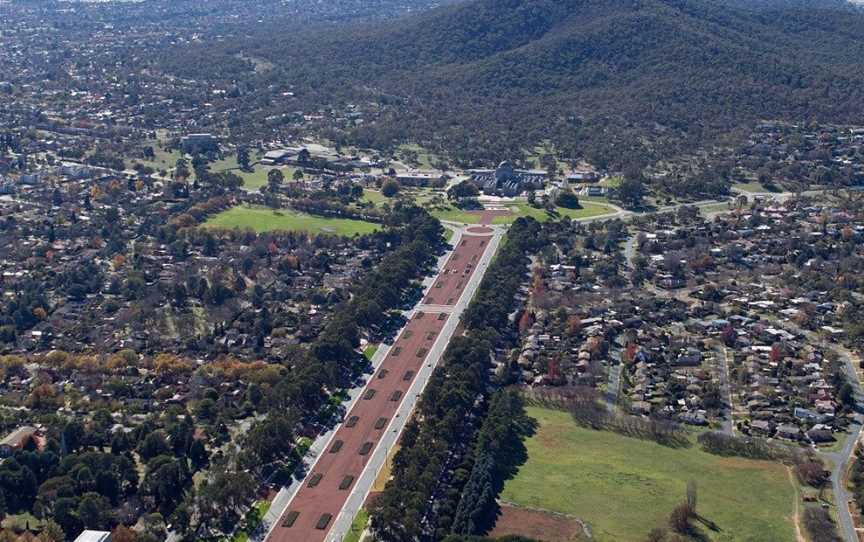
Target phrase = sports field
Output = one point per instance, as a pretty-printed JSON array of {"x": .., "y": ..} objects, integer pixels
[
  {"x": 623, "y": 487},
  {"x": 261, "y": 219}
]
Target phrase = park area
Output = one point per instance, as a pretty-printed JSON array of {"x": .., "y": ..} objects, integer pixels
[
  {"x": 442, "y": 209},
  {"x": 622, "y": 487},
  {"x": 516, "y": 210},
  {"x": 262, "y": 219}
]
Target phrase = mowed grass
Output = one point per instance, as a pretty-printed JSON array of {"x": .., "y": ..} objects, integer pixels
[
  {"x": 261, "y": 219},
  {"x": 357, "y": 526},
  {"x": 752, "y": 186},
  {"x": 252, "y": 180},
  {"x": 626, "y": 487},
  {"x": 163, "y": 160},
  {"x": 370, "y": 350},
  {"x": 588, "y": 210},
  {"x": 375, "y": 197}
]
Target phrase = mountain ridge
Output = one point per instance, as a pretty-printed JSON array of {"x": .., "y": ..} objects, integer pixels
[{"x": 495, "y": 67}]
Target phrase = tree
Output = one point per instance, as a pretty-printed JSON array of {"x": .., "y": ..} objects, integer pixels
[
  {"x": 166, "y": 481},
  {"x": 198, "y": 455},
  {"x": 631, "y": 191},
  {"x": 298, "y": 174},
  {"x": 66, "y": 514},
  {"x": 691, "y": 496},
  {"x": 94, "y": 511},
  {"x": 73, "y": 436},
  {"x": 153, "y": 445},
  {"x": 465, "y": 189},
  {"x": 121, "y": 533},
  {"x": 679, "y": 520},
  {"x": 275, "y": 178},
  {"x": 243, "y": 157},
  {"x": 390, "y": 188},
  {"x": 52, "y": 532},
  {"x": 223, "y": 497},
  {"x": 181, "y": 169},
  {"x": 847, "y": 395},
  {"x": 567, "y": 199},
  {"x": 18, "y": 483}
]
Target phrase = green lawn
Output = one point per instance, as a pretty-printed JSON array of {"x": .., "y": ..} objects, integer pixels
[
  {"x": 262, "y": 219},
  {"x": 21, "y": 522},
  {"x": 611, "y": 182},
  {"x": 753, "y": 186},
  {"x": 375, "y": 197},
  {"x": 453, "y": 214},
  {"x": 588, "y": 210},
  {"x": 370, "y": 350},
  {"x": 357, "y": 526},
  {"x": 252, "y": 180},
  {"x": 424, "y": 158},
  {"x": 716, "y": 208},
  {"x": 625, "y": 487},
  {"x": 163, "y": 160}
]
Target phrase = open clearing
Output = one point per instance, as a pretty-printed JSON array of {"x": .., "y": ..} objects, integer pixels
[
  {"x": 624, "y": 487},
  {"x": 261, "y": 219},
  {"x": 252, "y": 180},
  {"x": 588, "y": 210}
]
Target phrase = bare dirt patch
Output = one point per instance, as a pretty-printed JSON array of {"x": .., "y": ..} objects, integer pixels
[
  {"x": 537, "y": 524},
  {"x": 488, "y": 215}
]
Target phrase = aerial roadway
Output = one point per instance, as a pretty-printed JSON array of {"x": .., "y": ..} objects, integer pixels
[{"x": 322, "y": 506}]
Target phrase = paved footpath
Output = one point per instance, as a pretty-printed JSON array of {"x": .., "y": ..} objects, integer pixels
[{"x": 346, "y": 461}]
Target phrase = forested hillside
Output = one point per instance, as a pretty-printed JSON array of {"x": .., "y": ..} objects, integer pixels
[{"x": 486, "y": 78}]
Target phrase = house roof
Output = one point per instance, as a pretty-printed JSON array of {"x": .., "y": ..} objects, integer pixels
[
  {"x": 16, "y": 437},
  {"x": 94, "y": 536}
]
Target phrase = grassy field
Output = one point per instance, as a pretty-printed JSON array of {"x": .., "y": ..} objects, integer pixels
[
  {"x": 375, "y": 197},
  {"x": 163, "y": 160},
  {"x": 625, "y": 487},
  {"x": 21, "y": 522},
  {"x": 588, "y": 210},
  {"x": 424, "y": 158},
  {"x": 262, "y": 219},
  {"x": 715, "y": 208},
  {"x": 357, "y": 526},
  {"x": 452, "y": 214},
  {"x": 611, "y": 182},
  {"x": 252, "y": 180},
  {"x": 752, "y": 187}
]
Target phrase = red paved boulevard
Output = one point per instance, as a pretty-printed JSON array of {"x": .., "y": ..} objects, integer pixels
[{"x": 315, "y": 506}]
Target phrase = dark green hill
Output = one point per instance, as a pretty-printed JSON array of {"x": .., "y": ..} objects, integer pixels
[{"x": 486, "y": 77}]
